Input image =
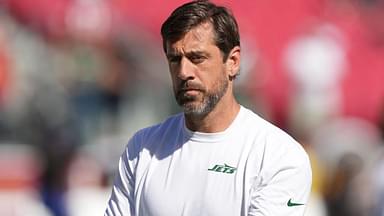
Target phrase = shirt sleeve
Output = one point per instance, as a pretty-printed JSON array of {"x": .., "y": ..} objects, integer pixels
[
  {"x": 284, "y": 183},
  {"x": 121, "y": 201}
]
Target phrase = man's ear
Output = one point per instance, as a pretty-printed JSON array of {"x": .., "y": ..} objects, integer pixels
[{"x": 233, "y": 62}]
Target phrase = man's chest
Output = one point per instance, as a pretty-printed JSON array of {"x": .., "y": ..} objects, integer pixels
[{"x": 195, "y": 180}]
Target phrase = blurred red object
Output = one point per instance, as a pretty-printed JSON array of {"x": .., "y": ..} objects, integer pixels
[
  {"x": 4, "y": 68},
  {"x": 19, "y": 167},
  {"x": 271, "y": 25}
]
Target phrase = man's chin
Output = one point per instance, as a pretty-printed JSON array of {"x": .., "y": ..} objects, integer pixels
[{"x": 194, "y": 109}]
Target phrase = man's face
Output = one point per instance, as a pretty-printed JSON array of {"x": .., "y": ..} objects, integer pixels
[{"x": 198, "y": 72}]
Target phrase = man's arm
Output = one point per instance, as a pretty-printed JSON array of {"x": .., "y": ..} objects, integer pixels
[
  {"x": 121, "y": 202},
  {"x": 284, "y": 184}
]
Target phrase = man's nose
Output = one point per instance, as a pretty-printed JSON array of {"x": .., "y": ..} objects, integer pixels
[{"x": 186, "y": 70}]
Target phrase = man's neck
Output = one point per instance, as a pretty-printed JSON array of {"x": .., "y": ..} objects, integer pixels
[{"x": 219, "y": 119}]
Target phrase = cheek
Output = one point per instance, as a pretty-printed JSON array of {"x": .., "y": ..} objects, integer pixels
[
  {"x": 214, "y": 82},
  {"x": 176, "y": 82}
]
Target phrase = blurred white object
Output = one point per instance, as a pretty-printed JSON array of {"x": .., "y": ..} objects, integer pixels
[
  {"x": 86, "y": 193},
  {"x": 87, "y": 201},
  {"x": 316, "y": 62},
  {"x": 19, "y": 172},
  {"x": 21, "y": 203},
  {"x": 89, "y": 19},
  {"x": 339, "y": 137}
]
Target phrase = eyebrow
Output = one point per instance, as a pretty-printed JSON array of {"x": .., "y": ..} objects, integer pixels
[
  {"x": 191, "y": 53},
  {"x": 197, "y": 53}
]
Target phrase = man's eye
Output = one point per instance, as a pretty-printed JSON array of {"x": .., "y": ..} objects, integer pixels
[{"x": 197, "y": 59}]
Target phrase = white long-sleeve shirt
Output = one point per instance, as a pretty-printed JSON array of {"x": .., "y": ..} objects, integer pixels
[{"x": 251, "y": 168}]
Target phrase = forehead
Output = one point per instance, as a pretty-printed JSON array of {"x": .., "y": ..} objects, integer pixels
[{"x": 198, "y": 38}]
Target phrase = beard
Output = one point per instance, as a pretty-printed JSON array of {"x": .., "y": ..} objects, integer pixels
[{"x": 204, "y": 102}]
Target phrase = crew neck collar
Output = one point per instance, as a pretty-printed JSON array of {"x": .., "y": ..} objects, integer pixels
[{"x": 212, "y": 137}]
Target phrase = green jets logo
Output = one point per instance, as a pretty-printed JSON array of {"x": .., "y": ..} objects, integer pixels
[{"x": 223, "y": 169}]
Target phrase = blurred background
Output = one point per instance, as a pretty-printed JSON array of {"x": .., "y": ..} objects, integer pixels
[{"x": 79, "y": 77}]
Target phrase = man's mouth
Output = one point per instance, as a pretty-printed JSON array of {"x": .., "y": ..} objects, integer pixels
[{"x": 189, "y": 90}]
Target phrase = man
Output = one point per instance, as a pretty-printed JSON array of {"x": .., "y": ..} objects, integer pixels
[{"x": 217, "y": 157}]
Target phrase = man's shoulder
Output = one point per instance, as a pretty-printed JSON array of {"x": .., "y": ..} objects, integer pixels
[
  {"x": 169, "y": 124},
  {"x": 149, "y": 137},
  {"x": 255, "y": 122},
  {"x": 264, "y": 126},
  {"x": 275, "y": 139}
]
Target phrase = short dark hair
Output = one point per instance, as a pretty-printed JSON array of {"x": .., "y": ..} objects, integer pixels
[{"x": 192, "y": 14}]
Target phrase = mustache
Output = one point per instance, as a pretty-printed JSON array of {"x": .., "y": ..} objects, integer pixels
[{"x": 189, "y": 85}]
